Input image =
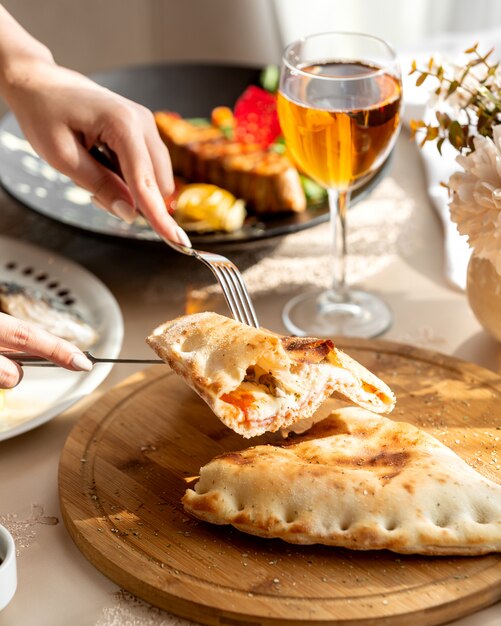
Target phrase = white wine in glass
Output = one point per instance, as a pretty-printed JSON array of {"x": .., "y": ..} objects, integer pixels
[{"x": 339, "y": 106}]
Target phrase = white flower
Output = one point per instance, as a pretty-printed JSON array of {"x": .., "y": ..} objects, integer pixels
[{"x": 476, "y": 202}]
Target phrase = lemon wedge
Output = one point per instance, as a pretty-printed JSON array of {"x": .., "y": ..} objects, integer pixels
[{"x": 202, "y": 207}]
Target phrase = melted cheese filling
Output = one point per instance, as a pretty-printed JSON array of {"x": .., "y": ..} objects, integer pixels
[{"x": 262, "y": 398}]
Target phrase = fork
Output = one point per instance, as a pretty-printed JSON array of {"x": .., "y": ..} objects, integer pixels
[
  {"x": 227, "y": 274},
  {"x": 230, "y": 279}
]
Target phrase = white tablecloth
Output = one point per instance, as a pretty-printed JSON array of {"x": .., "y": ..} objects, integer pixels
[{"x": 397, "y": 244}]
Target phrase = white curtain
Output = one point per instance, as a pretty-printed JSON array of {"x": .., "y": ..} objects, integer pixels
[
  {"x": 404, "y": 23},
  {"x": 95, "y": 35}
]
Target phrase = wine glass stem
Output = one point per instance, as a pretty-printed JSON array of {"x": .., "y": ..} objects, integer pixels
[{"x": 338, "y": 205}]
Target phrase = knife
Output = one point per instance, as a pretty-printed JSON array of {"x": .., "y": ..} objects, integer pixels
[{"x": 23, "y": 358}]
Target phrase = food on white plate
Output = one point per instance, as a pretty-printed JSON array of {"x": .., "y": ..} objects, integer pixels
[
  {"x": 265, "y": 179},
  {"x": 355, "y": 480},
  {"x": 256, "y": 381},
  {"x": 30, "y": 305},
  {"x": 203, "y": 208}
]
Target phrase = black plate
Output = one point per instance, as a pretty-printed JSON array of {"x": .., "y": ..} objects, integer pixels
[{"x": 192, "y": 90}]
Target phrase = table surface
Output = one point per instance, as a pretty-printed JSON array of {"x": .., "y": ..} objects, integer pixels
[{"x": 397, "y": 249}]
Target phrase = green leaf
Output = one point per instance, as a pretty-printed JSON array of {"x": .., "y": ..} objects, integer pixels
[
  {"x": 472, "y": 49},
  {"x": 440, "y": 143},
  {"x": 452, "y": 88},
  {"x": 421, "y": 79},
  {"x": 228, "y": 131},
  {"x": 199, "y": 121},
  {"x": 278, "y": 147},
  {"x": 456, "y": 135},
  {"x": 492, "y": 70},
  {"x": 482, "y": 121},
  {"x": 432, "y": 133},
  {"x": 486, "y": 56},
  {"x": 312, "y": 190},
  {"x": 415, "y": 125},
  {"x": 270, "y": 77},
  {"x": 443, "y": 119},
  {"x": 465, "y": 73}
]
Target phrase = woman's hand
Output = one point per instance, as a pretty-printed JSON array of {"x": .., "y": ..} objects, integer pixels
[
  {"x": 63, "y": 114},
  {"x": 25, "y": 337}
]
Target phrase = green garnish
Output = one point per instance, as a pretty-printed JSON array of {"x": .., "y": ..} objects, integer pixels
[
  {"x": 199, "y": 121},
  {"x": 228, "y": 131},
  {"x": 312, "y": 190},
  {"x": 269, "y": 78},
  {"x": 278, "y": 145}
]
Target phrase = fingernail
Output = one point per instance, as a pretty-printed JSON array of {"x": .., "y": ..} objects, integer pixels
[
  {"x": 81, "y": 362},
  {"x": 96, "y": 202},
  {"x": 183, "y": 237},
  {"x": 124, "y": 211}
]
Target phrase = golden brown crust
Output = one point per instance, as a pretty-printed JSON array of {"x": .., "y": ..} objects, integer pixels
[
  {"x": 355, "y": 480},
  {"x": 307, "y": 349}
]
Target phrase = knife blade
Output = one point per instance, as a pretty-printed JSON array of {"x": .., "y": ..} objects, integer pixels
[{"x": 25, "y": 359}]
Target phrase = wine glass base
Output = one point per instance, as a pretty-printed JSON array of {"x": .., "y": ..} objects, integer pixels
[{"x": 320, "y": 314}]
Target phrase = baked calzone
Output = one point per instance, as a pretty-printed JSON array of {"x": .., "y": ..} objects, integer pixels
[
  {"x": 256, "y": 381},
  {"x": 355, "y": 480}
]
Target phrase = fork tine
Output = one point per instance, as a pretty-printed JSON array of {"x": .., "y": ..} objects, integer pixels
[
  {"x": 231, "y": 282},
  {"x": 228, "y": 291},
  {"x": 228, "y": 296},
  {"x": 237, "y": 296},
  {"x": 250, "y": 313}
]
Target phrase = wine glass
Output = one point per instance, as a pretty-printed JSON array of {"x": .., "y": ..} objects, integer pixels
[{"x": 339, "y": 106}]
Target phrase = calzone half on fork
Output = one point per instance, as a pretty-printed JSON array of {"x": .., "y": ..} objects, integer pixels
[{"x": 256, "y": 381}]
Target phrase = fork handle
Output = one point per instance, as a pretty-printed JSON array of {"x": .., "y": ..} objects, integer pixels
[{"x": 105, "y": 156}]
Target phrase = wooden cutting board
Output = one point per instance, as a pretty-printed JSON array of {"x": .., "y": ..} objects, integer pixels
[{"x": 129, "y": 459}]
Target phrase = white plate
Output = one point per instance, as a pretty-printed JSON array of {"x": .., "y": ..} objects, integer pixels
[
  {"x": 191, "y": 89},
  {"x": 46, "y": 392}
]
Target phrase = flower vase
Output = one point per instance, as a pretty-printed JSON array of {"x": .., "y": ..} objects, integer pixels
[{"x": 483, "y": 289}]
